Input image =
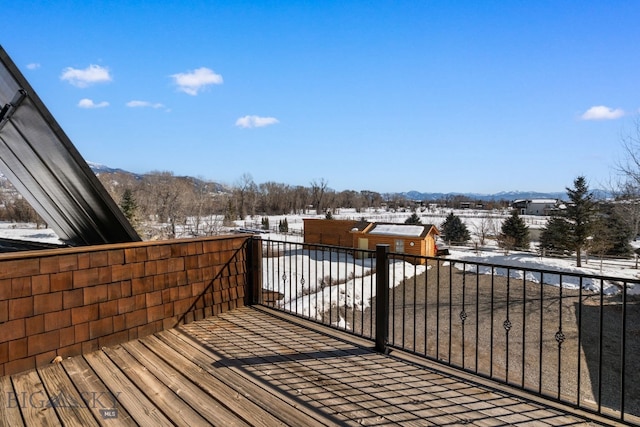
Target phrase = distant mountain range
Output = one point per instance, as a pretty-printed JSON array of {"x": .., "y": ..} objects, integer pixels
[
  {"x": 98, "y": 169},
  {"x": 503, "y": 195},
  {"x": 417, "y": 195}
]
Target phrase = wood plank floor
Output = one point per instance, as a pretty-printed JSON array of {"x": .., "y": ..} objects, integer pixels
[{"x": 249, "y": 367}]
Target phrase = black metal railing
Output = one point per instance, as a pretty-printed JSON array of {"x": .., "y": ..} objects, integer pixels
[{"x": 569, "y": 337}]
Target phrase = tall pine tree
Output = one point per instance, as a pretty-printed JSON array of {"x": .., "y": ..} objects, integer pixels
[
  {"x": 580, "y": 213},
  {"x": 514, "y": 233},
  {"x": 129, "y": 207},
  {"x": 612, "y": 234},
  {"x": 454, "y": 229},
  {"x": 554, "y": 239}
]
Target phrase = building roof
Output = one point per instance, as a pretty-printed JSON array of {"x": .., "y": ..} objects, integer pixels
[
  {"x": 406, "y": 230},
  {"x": 544, "y": 201}
]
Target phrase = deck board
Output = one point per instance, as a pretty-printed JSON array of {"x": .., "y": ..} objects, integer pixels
[
  {"x": 65, "y": 398},
  {"x": 97, "y": 396},
  {"x": 33, "y": 400},
  {"x": 175, "y": 408},
  {"x": 251, "y": 367},
  {"x": 240, "y": 397},
  {"x": 141, "y": 409},
  {"x": 9, "y": 409},
  {"x": 205, "y": 404},
  {"x": 285, "y": 408}
]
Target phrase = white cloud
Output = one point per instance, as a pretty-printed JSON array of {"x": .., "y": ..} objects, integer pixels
[
  {"x": 144, "y": 104},
  {"x": 194, "y": 81},
  {"x": 255, "y": 121},
  {"x": 88, "y": 103},
  {"x": 33, "y": 66},
  {"x": 601, "y": 112},
  {"x": 83, "y": 78}
]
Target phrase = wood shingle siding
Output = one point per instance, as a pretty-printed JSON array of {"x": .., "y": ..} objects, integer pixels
[
  {"x": 329, "y": 231},
  {"x": 62, "y": 302}
]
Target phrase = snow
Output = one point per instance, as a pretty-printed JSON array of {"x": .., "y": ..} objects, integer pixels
[
  {"x": 309, "y": 300},
  {"x": 311, "y": 296},
  {"x": 398, "y": 230},
  {"x": 560, "y": 267},
  {"x": 304, "y": 280},
  {"x": 300, "y": 277},
  {"x": 28, "y": 232}
]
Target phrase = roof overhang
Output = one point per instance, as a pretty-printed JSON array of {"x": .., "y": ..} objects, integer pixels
[{"x": 44, "y": 166}]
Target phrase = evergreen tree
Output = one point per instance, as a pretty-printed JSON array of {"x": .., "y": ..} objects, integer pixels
[
  {"x": 413, "y": 219},
  {"x": 554, "y": 239},
  {"x": 580, "y": 213},
  {"x": 229, "y": 215},
  {"x": 283, "y": 226},
  {"x": 265, "y": 223},
  {"x": 622, "y": 234},
  {"x": 612, "y": 234},
  {"x": 129, "y": 206},
  {"x": 454, "y": 229},
  {"x": 514, "y": 233}
]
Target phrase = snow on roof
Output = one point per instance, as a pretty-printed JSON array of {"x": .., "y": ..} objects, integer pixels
[
  {"x": 535, "y": 201},
  {"x": 543, "y": 200},
  {"x": 398, "y": 229}
]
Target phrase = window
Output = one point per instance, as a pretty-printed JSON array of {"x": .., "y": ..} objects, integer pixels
[{"x": 399, "y": 245}]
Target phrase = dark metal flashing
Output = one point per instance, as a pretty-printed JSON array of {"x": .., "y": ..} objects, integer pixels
[
  {"x": 45, "y": 167},
  {"x": 12, "y": 245}
]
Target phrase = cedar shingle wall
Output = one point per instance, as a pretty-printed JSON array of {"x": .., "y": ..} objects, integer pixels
[
  {"x": 336, "y": 232},
  {"x": 69, "y": 301}
]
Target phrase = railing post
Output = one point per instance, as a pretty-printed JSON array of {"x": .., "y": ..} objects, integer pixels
[
  {"x": 382, "y": 297},
  {"x": 254, "y": 269}
]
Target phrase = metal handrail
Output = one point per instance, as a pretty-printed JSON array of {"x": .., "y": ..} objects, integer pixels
[{"x": 570, "y": 343}]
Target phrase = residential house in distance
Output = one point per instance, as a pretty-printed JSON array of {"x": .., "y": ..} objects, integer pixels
[
  {"x": 535, "y": 206},
  {"x": 410, "y": 239}
]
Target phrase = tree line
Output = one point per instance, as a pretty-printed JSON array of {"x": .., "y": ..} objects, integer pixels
[
  {"x": 601, "y": 227},
  {"x": 159, "y": 204},
  {"x": 203, "y": 207}
]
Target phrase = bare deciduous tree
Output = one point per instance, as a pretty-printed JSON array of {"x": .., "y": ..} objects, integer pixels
[
  {"x": 627, "y": 190},
  {"x": 318, "y": 189},
  {"x": 245, "y": 192},
  {"x": 168, "y": 197},
  {"x": 485, "y": 228}
]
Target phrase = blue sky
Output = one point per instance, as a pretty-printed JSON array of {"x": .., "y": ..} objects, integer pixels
[{"x": 438, "y": 96}]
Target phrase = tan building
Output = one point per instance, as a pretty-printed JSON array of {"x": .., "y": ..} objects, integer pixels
[{"x": 410, "y": 239}]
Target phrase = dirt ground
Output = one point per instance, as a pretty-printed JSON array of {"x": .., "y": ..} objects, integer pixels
[{"x": 538, "y": 337}]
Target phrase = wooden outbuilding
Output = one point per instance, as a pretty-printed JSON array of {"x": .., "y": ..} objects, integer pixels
[
  {"x": 410, "y": 239},
  {"x": 334, "y": 232}
]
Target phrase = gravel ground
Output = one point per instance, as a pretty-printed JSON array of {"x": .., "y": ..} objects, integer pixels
[{"x": 536, "y": 337}]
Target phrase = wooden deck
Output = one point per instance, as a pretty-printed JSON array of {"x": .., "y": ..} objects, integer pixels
[{"x": 251, "y": 367}]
